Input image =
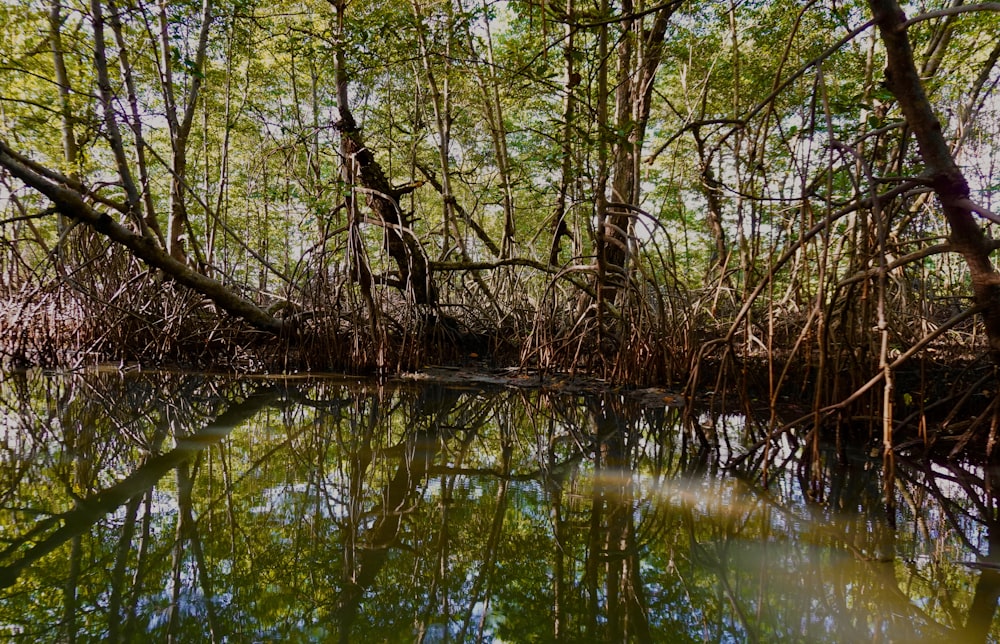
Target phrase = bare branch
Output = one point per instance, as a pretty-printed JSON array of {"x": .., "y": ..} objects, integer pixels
[{"x": 951, "y": 11}]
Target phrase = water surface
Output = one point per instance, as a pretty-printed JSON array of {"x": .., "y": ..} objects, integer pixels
[{"x": 187, "y": 507}]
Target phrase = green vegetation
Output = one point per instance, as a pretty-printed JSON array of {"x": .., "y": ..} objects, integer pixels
[{"x": 791, "y": 201}]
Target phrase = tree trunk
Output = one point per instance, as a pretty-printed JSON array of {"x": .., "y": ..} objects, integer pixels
[
  {"x": 110, "y": 119},
  {"x": 62, "y": 78},
  {"x": 489, "y": 85},
  {"x": 943, "y": 174},
  {"x": 566, "y": 175},
  {"x": 640, "y": 52},
  {"x": 180, "y": 129},
  {"x": 152, "y": 223},
  {"x": 382, "y": 198},
  {"x": 71, "y": 203},
  {"x": 711, "y": 189},
  {"x": 441, "y": 102}
]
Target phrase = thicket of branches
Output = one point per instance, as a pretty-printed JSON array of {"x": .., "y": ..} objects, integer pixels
[{"x": 792, "y": 198}]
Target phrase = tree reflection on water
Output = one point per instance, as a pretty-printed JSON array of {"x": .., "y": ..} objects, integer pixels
[{"x": 189, "y": 507}]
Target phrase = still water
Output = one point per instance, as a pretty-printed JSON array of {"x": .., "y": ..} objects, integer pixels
[{"x": 195, "y": 508}]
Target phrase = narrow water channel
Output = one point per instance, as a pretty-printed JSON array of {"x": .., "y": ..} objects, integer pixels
[{"x": 195, "y": 508}]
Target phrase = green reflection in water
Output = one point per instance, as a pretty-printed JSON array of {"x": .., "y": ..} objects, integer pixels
[{"x": 144, "y": 506}]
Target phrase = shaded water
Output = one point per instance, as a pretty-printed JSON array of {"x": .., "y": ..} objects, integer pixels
[{"x": 145, "y": 507}]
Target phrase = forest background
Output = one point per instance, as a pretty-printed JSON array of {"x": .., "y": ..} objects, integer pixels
[{"x": 783, "y": 199}]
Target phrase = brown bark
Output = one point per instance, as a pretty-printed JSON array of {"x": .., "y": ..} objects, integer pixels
[
  {"x": 440, "y": 94},
  {"x": 65, "y": 109},
  {"x": 180, "y": 129},
  {"x": 640, "y": 53},
  {"x": 711, "y": 189},
  {"x": 382, "y": 198},
  {"x": 383, "y": 201},
  {"x": 62, "y": 79},
  {"x": 136, "y": 125},
  {"x": 943, "y": 174},
  {"x": 72, "y": 204},
  {"x": 110, "y": 120},
  {"x": 490, "y": 87},
  {"x": 566, "y": 178},
  {"x": 461, "y": 211}
]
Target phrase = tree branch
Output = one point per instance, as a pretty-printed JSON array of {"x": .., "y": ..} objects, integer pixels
[
  {"x": 73, "y": 205},
  {"x": 952, "y": 11},
  {"x": 950, "y": 185}
]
